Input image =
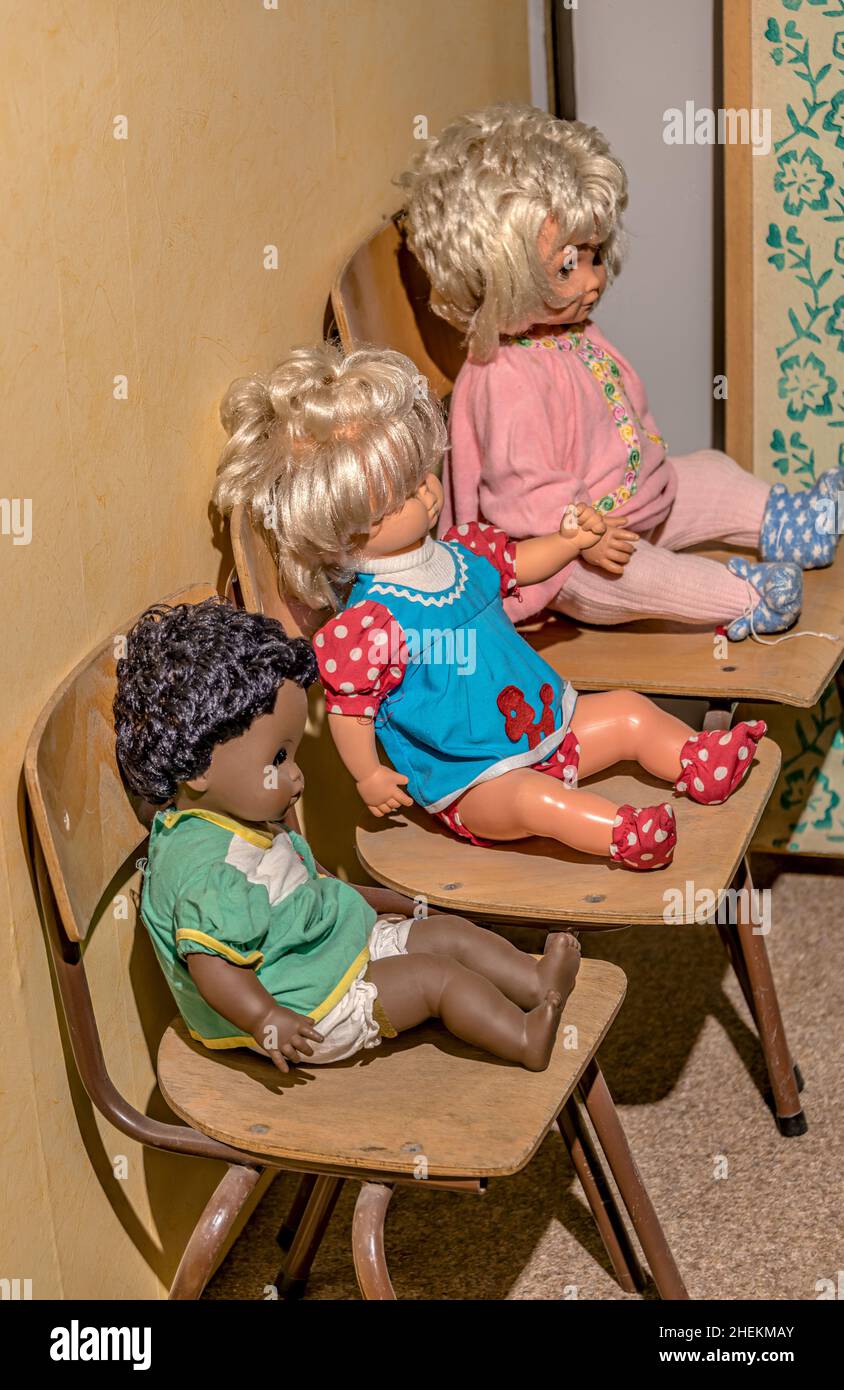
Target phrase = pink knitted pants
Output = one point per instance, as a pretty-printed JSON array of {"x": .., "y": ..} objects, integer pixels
[{"x": 716, "y": 501}]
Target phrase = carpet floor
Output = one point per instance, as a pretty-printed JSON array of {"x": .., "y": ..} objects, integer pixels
[{"x": 749, "y": 1215}]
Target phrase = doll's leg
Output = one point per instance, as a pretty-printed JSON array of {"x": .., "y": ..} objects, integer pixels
[
  {"x": 659, "y": 583},
  {"x": 524, "y": 980},
  {"x": 622, "y": 726},
  {"x": 718, "y": 500},
  {"x": 656, "y": 583},
  {"x": 414, "y": 988},
  {"x": 715, "y": 500},
  {"x": 526, "y": 802}
]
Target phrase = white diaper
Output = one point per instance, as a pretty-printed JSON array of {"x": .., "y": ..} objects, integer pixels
[{"x": 353, "y": 1023}]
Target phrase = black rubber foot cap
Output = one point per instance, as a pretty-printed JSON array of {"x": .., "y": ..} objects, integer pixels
[
  {"x": 791, "y": 1126},
  {"x": 290, "y": 1289}
]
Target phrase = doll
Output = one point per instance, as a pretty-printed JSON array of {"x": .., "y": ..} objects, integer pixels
[
  {"x": 337, "y": 454},
  {"x": 260, "y": 948},
  {"x": 516, "y": 218}
]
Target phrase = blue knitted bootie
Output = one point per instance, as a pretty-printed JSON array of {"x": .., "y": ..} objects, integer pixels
[
  {"x": 780, "y": 589},
  {"x": 803, "y": 526}
]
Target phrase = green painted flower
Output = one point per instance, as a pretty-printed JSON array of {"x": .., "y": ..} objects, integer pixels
[
  {"x": 804, "y": 181},
  {"x": 835, "y": 322},
  {"x": 818, "y": 811},
  {"x": 838, "y": 45},
  {"x": 806, "y": 386},
  {"x": 834, "y": 119},
  {"x": 839, "y": 250}
]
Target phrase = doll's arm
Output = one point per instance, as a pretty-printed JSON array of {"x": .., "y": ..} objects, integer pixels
[
  {"x": 541, "y": 557},
  {"x": 235, "y": 992},
  {"x": 362, "y": 655},
  {"x": 380, "y": 787},
  {"x": 382, "y": 900}
]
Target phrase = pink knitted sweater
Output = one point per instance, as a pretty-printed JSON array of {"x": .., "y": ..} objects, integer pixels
[{"x": 544, "y": 425}]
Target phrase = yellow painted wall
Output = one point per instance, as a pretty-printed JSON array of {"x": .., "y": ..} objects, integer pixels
[{"x": 248, "y": 125}]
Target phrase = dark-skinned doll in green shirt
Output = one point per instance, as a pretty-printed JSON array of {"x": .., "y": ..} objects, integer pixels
[{"x": 259, "y": 947}]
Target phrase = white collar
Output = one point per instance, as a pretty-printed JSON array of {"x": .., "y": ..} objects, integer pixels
[
  {"x": 397, "y": 564},
  {"x": 430, "y": 567}
]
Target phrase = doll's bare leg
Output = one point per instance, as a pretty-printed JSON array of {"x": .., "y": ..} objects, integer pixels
[
  {"x": 525, "y": 802},
  {"x": 414, "y": 988},
  {"x": 524, "y": 980},
  {"x": 622, "y": 726}
]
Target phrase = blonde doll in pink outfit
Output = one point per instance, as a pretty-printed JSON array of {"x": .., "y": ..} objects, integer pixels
[{"x": 516, "y": 217}]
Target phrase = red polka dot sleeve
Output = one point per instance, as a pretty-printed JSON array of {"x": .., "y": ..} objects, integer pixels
[
  {"x": 495, "y": 546},
  {"x": 362, "y": 656}
]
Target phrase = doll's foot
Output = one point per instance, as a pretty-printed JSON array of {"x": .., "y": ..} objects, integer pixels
[
  {"x": 644, "y": 838},
  {"x": 540, "y": 1031},
  {"x": 802, "y": 526},
  {"x": 714, "y": 763},
  {"x": 559, "y": 965},
  {"x": 780, "y": 597}
]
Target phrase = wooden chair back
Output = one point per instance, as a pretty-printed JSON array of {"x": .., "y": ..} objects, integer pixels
[
  {"x": 258, "y": 577},
  {"x": 381, "y": 296},
  {"x": 86, "y": 821}
]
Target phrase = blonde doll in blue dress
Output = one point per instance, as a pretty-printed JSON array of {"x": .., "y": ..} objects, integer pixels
[{"x": 337, "y": 455}]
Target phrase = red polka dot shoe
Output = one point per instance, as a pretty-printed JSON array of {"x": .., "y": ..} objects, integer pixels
[
  {"x": 644, "y": 838},
  {"x": 715, "y": 762}
]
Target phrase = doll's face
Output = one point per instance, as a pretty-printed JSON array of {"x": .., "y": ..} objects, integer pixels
[
  {"x": 255, "y": 777},
  {"x": 584, "y": 282},
  {"x": 406, "y": 528}
]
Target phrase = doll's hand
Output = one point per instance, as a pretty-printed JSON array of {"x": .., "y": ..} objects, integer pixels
[
  {"x": 582, "y": 525},
  {"x": 614, "y": 548},
  {"x": 284, "y": 1036},
  {"x": 383, "y": 791}
]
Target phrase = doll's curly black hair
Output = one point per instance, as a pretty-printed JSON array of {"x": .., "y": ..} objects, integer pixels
[{"x": 194, "y": 676}]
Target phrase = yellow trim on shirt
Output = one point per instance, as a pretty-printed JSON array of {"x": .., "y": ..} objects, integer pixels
[
  {"x": 219, "y": 947},
  {"x": 341, "y": 988},
  {"x": 254, "y": 837},
  {"x": 217, "y": 1044}
]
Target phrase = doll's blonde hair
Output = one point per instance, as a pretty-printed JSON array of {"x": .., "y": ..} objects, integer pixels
[
  {"x": 476, "y": 199},
  {"x": 320, "y": 450}
]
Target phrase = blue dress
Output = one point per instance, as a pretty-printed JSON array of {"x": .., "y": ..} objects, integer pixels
[{"x": 425, "y": 648}]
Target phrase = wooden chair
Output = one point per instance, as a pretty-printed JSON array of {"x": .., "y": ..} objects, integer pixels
[
  {"x": 381, "y": 296},
  {"x": 544, "y": 883},
  {"x": 384, "y": 1119}
]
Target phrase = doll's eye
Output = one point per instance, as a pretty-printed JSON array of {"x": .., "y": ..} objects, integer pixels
[
  {"x": 280, "y": 757},
  {"x": 598, "y": 258}
]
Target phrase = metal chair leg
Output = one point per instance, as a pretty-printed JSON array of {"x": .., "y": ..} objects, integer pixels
[
  {"x": 211, "y": 1230},
  {"x": 290, "y": 1225},
  {"x": 602, "y": 1112},
  {"x": 368, "y": 1241},
  {"x": 766, "y": 1012},
  {"x": 601, "y": 1198},
  {"x": 293, "y": 1275}
]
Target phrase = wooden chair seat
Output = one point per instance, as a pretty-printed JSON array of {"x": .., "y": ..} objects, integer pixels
[
  {"x": 541, "y": 880},
  {"x": 635, "y": 656},
  {"x": 379, "y": 1111}
]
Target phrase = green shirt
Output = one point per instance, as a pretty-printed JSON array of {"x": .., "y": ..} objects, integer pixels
[{"x": 217, "y": 886}]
